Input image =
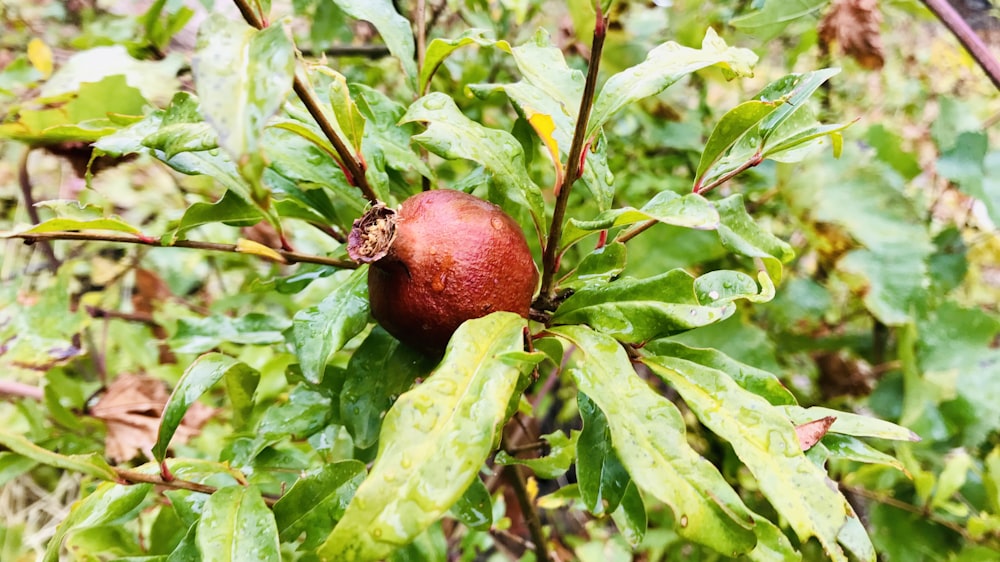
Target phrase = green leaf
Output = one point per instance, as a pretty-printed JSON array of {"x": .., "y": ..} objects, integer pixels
[
  {"x": 316, "y": 501},
  {"x": 733, "y": 125},
  {"x": 433, "y": 442},
  {"x": 561, "y": 455},
  {"x": 236, "y": 526},
  {"x": 231, "y": 210},
  {"x": 597, "y": 268},
  {"x": 639, "y": 310},
  {"x": 630, "y": 516},
  {"x": 13, "y": 465},
  {"x": 451, "y": 135},
  {"x": 739, "y": 233},
  {"x": 851, "y": 424},
  {"x": 850, "y": 448},
  {"x": 394, "y": 29},
  {"x": 380, "y": 370},
  {"x": 62, "y": 225},
  {"x": 475, "y": 508},
  {"x": 321, "y": 330},
  {"x": 689, "y": 211},
  {"x": 243, "y": 76},
  {"x": 649, "y": 436},
  {"x": 765, "y": 24},
  {"x": 663, "y": 66},
  {"x": 201, "y": 334},
  {"x": 765, "y": 440},
  {"x": 758, "y": 381},
  {"x": 241, "y": 380},
  {"x": 600, "y": 474},
  {"x": 439, "y": 49},
  {"x": 349, "y": 119},
  {"x": 386, "y": 132},
  {"x": 91, "y": 464},
  {"x": 109, "y": 503}
]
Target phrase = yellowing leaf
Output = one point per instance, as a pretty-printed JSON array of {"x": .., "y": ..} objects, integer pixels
[
  {"x": 545, "y": 126},
  {"x": 40, "y": 56},
  {"x": 256, "y": 248}
]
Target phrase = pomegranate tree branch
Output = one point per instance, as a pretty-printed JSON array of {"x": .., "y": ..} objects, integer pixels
[
  {"x": 15, "y": 389},
  {"x": 124, "y": 238},
  {"x": 29, "y": 204},
  {"x": 574, "y": 164},
  {"x": 353, "y": 166},
  {"x": 136, "y": 477},
  {"x": 969, "y": 39},
  {"x": 516, "y": 479}
]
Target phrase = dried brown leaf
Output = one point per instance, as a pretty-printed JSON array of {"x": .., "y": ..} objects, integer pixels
[
  {"x": 811, "y": 432},
  {"x": 854, "y": 25},
  {"x": 131, "y": 409}
]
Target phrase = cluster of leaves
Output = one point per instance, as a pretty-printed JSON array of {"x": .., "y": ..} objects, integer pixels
[{"x": 651, "y": 383}]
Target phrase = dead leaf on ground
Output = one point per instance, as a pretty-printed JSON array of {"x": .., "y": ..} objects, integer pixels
[
  {"x": 854, "y": 25},
  {"x": 810, "y": 433},
  {"x": 131, "y": 409}
]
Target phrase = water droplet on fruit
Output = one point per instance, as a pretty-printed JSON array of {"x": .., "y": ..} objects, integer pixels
[
  {"x": 496, "y": 223},
  {"x": 438, "y": 283}
]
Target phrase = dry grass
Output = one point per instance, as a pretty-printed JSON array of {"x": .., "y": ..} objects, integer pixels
[{"x": 36, "y": 512}]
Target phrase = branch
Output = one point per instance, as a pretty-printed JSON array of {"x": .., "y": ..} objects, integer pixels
[
  {"x": 900, "y": 504},
  {"x": 969, "y": 39},
  {"x": 122, "y": 238},
  {"x": 354, "y": 167},
  {"x": 29, "y": 202},
  {"x": 20, "y": 390},
  {"x": 531, "y": 519},
  {"x": 136, "y": 477},
  {"x": 336, "y": 51},
  {"x": 574, "y": 164}
]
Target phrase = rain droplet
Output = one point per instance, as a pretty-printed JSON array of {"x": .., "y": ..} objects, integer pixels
[
  {"x": 377, "y": 533},
  {"x": 496, "y": 223},
  {"x": 405, "y": 462},
  {"x": 438, "y": 283},
  {"x": 684, "y": 520},
  {"x": 714, "y": 295}
]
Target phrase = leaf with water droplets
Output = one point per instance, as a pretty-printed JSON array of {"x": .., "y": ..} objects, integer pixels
[
  {"x": 663, "y": 66},
  {"x": 649, "y": 436},
  {"x": 237, "y": 526},
  {"x": 851, "y": 424},
  {"x": 316, "y": 501},
  {"x": 108, "y": 503},
  {"x": 394, "y": 29},
  {"x": 765, "y": 441},
  {"x": 434, "y": 440},
  {"x": 739, "y": 233},
  {"x": 599, "y": 472},
  {"x": 689, "y": 211},
  {"x": 561, "y": 455}
]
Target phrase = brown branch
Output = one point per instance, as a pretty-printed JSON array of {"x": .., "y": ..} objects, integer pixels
[
  {"x": 516, "y": 479},
  {"x": 904, "y": 506},
  {"x": 123, "y": 238},
  {"x": 969, "y": 39},
  {"x": 136, "y": 477},
  {"x": 337, "y": 51},
  {"x": 574, "y": 164},
  {"x": 354, "y": 167},
  {"x": 29, "y": 202}
]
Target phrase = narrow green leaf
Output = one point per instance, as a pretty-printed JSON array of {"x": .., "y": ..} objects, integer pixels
[
  {"x": 394, "y": 29},
  {"x": 91, "y": 464},
  {"x": 765, "y": 441},
  {"x": 434, "y": 440},
  {"x": 739, "y": 233},
  {"x": 316, "y": 501},
  {"x": 321, "y": 330},
  {"x": 109, "y": 503},
  {"x": 649, "y": 436},
  {"x": 772, "y": 544},
  {"x": 196, "y": 380},
  {"x": 13, "y": 465},
  {"x": 639, "y": 310},
  {"x": 630, "y": 516},
  {"x": 231, "y": 210},
  {"x": 854, "y": 538},
  {"x": 440, "y": 48},
  {"x": 349, "y": 119},
  {"x": 237, "y": 526},
  {"x": 755, "y": 380},
  {"x": 597, "y": 268},
  {"x": 600, "y": 474},
  {"x": 201, "y": 334},
  {"x": 386, "y": 132},
  {"x": 733, "y": 125},
  {"x": 561, "y": 455},
  {"x": 851, "y": 424},
  {"x": 475, "y": 508},
  {"x": 769, "y": 21},
  {"x": 663, "y": 66},
  {"x": 62, "y": 225},
  {"x": 851, "y": 448},
  {"x": 380, "y": 370},
  {"x": 451, "y": 135},
  {"x": 243, "y": 77},
  {"x": 689, "y": 211}
]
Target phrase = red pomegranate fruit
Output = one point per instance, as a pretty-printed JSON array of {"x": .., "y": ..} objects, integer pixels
[{"x": 442, "y": 258}]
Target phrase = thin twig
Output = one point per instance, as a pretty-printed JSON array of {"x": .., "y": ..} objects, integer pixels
[
  {"x": 123, "y": 238},
  {"x": 354, "y": 167},
  {"x": 574, "y": 164},
  {"x": 20, "y": 390},
  {"x": 516, "y": 479},
  {"x": 337, "y": 51},
  {"x": 136, "y": 477},
  {"x": 969, "y": 39},
  {"x": 420, "y": 15},
  {"x": 900, "y": 504},
  {"x": 29, "y": 203}
]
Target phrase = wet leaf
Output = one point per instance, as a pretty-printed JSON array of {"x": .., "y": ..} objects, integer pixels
[
  {"x": 741, "y": 234},
  {"x": 316, "y": 501},
  {"x": 597, "y": 268},
  {"x": 109, "y": 503},
  {"x": 198, "y": 335},
  {"x": 851, "y": 424},
  {"x": 663, "y": 66},
  {"x": 236, "y": 526},
  {"x": 92, "y": 464},
  {"x": 475, "y": 508},
  {"x": 230, "y": 210},
  {"x": 769, "y": 21},
  {"x": 394, "y": 29},
  {"x": 321, "y": 330},
  {"x": 765, "y": 441},
  {"x": 851, "y": 448},
  {"x": 241, "y": 381},
  {"x": 440, "y": 48},
  {"x": 600, "y": 474},
  {"x": 649, "y": 436},
  {"x": 434, "y": 440},
  {"x": 562, "y": 453},
  {"x": 689, "y": 211},
  {"x": 630, "y": 516}
]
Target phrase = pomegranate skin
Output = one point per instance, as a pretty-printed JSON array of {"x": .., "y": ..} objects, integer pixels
[{"x": 454, "y": 257}]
